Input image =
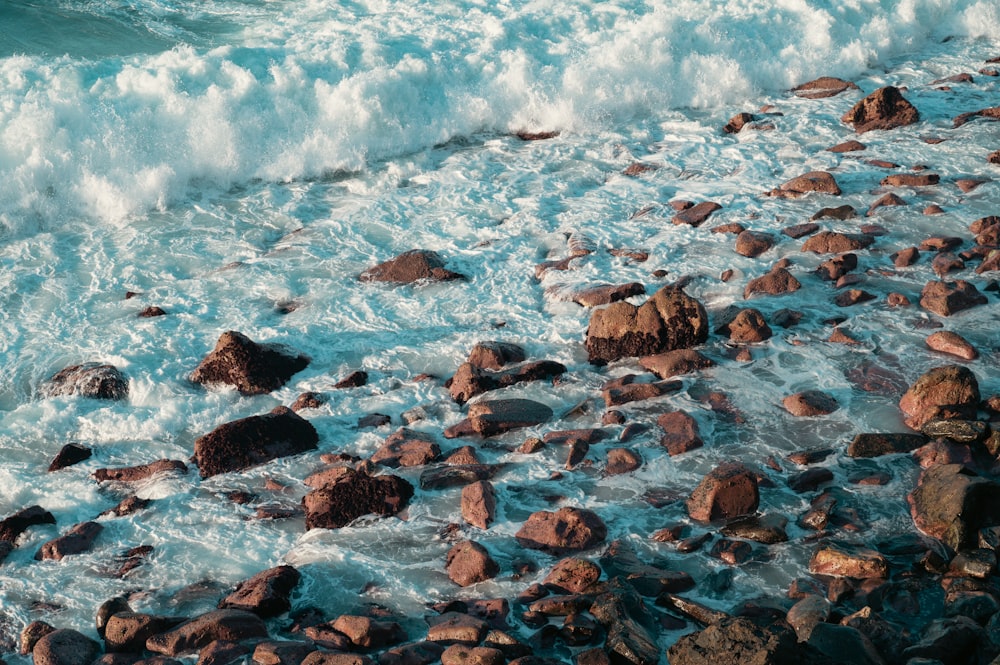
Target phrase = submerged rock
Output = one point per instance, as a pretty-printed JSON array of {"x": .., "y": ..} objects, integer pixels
[
  {"x": 13, "y": 526},
  {"x": 91, "y": 380},
  {"x": 77, "y": 540},
  {"x": 824, "y": 86}
]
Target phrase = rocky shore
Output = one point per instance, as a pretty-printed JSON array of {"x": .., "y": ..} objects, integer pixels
[{"x": 930, "y": 594}]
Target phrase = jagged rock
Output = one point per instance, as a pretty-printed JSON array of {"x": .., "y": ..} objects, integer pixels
[
  {"x": 412, "y": 266},
  {"x": 479, "y": 504},
  {"x": 885, "y": 108},
  {"x": 752, "y": 244},
  {"x": 695, "y": 215},
  {"x": 738, "y": 122},
  {"x": 369, "y": 633},
  {"x": 668, "y": 320},
  {"x": 65, "y": 647},
  {"x": 128, "y": 631},
  {"x": 13, "y": 526},
  {"x": 70, "y": 454},
  {"x": 353, "y": 495},
  {"x": 406, "y": 447},
  {"x": 355, "y": 379},
  {"x": 872, "y": 444},
  {"x": 621, "y": 461},
  {"x": 992, "y": 113},
  {"x": 905, "y": 257},
  {"x": 775, "y": 282},
  {"x": 133, "y": 474},
  {"x": 283, "y": 652},
  {"x": 738, "y": 640},
  {"x": 620, "y": 562},
  {"x": 247, "y": 442},
  {"x": 469, "y": 563},
  {"x": 251, "y": 368},
  {"x": 77, "y": 540},
  {"x": 948, "y": 386},
  {"x": 470, "y": 381},
  {"x": 564, "y": 531},
  {"x": 952, "y": 504},
  {"x": 91, "y": 380},
  {"x": 952, "y": 640},
  {"x": 814, "y": 181},
  {"x": 847, "y": 561},
  {"x": 572, "y": 575},
  {"x": 198, "y": 632},
  {"x": 947, "y": 298},
  {"x": 674, "y": 363},
  {"x": 748, "y": 326},
  {"x": 824, "y": 86},
  {"x": 728, "y": 491},
  {"x": 266, "y": 594},
  {"x": 308, "y": 400},
  {"x": 631, "y": 638}
]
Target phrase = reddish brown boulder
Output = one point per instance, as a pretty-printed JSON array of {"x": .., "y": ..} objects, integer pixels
[
  {"x": 814, "y": 181},
  {"x": 825, "y": 86},
  {"x": 469, "y": 563},
  {"x": 355, "y": 379},
  {"x": 494, "y": 354},
  {"x": 70, "y": 454},
  {"x": 746, "y": 327},
  {"x": 572, "y": 576},
  {"x": 491, "y": 417},
  {"x": 470, "y": 381},
  {"x": 460, "y": 654},
  {"x": 834, "y": 268},
  {"x": 885, "y": 108},
  {"x": 947, "y": 298},
  {"x": 479, "y": 504},
  {"x": 192, "y": 635},
  {"x": 405, "y": 447},
  {"x": 368, "y": 633},
  {"x": 674, "y": 363},
  {"x": 626, "y": 391},
  {"x": 831, "y": 242},
  {"x": 669, "y": 320},
  {"x": 696, "y": 214},
  {"x": 752, "y": 244},
  {"x": 91, "y": 380},
  {"x": 905, "y": 257},
  {"x": 945, "y": 341},
  {"x": 952, "y": 503},
  {"x": 13, "y": 526},
  {"x": 728, "y": 491},
  {"x": 605, "y": 294},
  {"x": 948, "y": 386},
  {"x": 621, "y": 461},
  {"x": 132, "y": 474},
  {"x": 992, "y": 113},
  {"x": 128, "y": 631},
  {"x": 911, "y": 180},
  {"x": 412, "y": 266},
  {"x": 308, "y": 400},
  {"x": 77, "y": 540},
  {"x": 352, "y": 495},
  {"x": 65, "y": 647},
  {"x": 776, "y": 282},
  {"x": 942, "y": 451},
  {"x": 847, "y": 146},
  {"x": 564, "y": 531},
  {"x": 810, "y": 403},
  {"x": 251, "y": 368},
  {"x": 842, "y": 213},
  {"x": 680, "y": 432},
  {"x": 885, "y": 201},
  {"x": 280, "y": 652},
  {"x": 266, "y": 594},
  {"x": 248, "y": 442},
  {"x": 30, "y": 635},
  {"x": 455, "y": 627},
  {"x": 847, "y": 561}
]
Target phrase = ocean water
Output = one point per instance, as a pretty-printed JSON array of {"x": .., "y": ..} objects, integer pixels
[{"x": 231, "y": 161}]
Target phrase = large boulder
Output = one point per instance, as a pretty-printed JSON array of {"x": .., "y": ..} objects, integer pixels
[
  {"x": 77, "y": 540},
  {"x": 352, "y": 495},
  {"x": 947, "y": 298},
  {"x": 886, "y": 108},
  {"x": 631, "y": 633},
  {"x": 667, "y": 321},
  {"x": 737, "y": 641},
  {"x": 13, "y": 526},
  {"x": 815, "y": 181},
  {"x": 562, "y": 532},
  {"x": 952, "y": 504},
  {"x": 88, "y": 380},
  {"x": 247, "y": 442},
  {"x": 728, "y": 491},
  {"x": 251, "y": 368},
  {"x": 412, "y": 266},
  {"x": 65, "y": 647},
  {"x": 948, "y": 386},
  {"x": 266, "y": 594},
  {"x": 494, "y": 354},
  {"x": 192, "y": 635},
  {"x": 469, "y": 563}
]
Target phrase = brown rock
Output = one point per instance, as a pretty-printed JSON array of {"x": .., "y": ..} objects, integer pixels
[
  {"x": 951, "y": 385},
  {"x": 638, "y": 168},
  {"x": 469, "y": 563},
  {"x": 30, "y": 635},
  {"x": 223, "y": 652},
  {"x": 132, "y": 474},
  {"x": 605, "y": 294},
  {"x": 680, "y": 432},
  {"x": 412, "y": 266},
  {"x": 885, "y": 201},
  {"x": 65, "y": 647},
  {"x": 911, "y": 180},
  {"x": 834, "y": 268},
  {"x": 696, "y": 214},
  {"x": 883, "y": 109},
  {"x": 905, "y": 257},
  {"x": 733, "y": 227},
  {"x": 479, "y": 504},
  {"x": 842, "y": 213},
  {"x": 669, "y": 320},
  {"x": 251, "y": 368},
  {"x": 308, "y": 400},
  {"x": 494, "y": 354},
  {"x": 491, "y": 417},
  {"x": 91, "y": 380},
  {"x": 335, "y": 658},
  {"x": 406, "y": 447},
  {"x": 733, "y": 552},
  {"x": 622, "y": 461},
  {"x": 266, "y": 594},
  {"x": 947, "y": 298},
  {"x": 814, "y": 181},
  {"x": 747, "y": 327},
  {"x": 853, "y": 297},
  {"x": 470, "y": 381},
  {"x": 738, "y": 122},
  {"x": 801, "y": 230},
  {"x": 838, "y": 336},
  {"x": 573, "y": 575},
  {"x": 248, "y": 442},
  {"x": 810, "y": 479},
  {"x": 70, "y": 454},
  {"x": 897, "y": 300},
  {"x": 945, "y": 341},
  {"x": 729, "y": 491},
  {"x": 368, "y": 633},
  {"x": 825, "y": 86},
  {"x": 992, "y": 113},
  {"x": 831, "y": 242},
  {"x": 847, "y": 561},
  {"x": 776, "y": 282},
  {"x": 128, "y": 631},
  {"x": 355, "y": 379},
  {"x": 353, "y": 495},
  {"x": 941, "y": 451},
  {"x": 966, "y": 185},
  {"x": 77, "y": 540},
  {"x": 455, "y": 627},
  {"x": 564, "y": 531},
  {"x": 870, "y": 444},
  {"x": 192, "y": 635},
  {"x": 418, "y": 653},
  {"x": 768, "y": 529},
  {"x": 674, "y": 363},
  {"x": 636, "y": 392},
  {"x": 460, "y": 654},
  {"x": 952, "y": 504},
  {"x": 752, "y": 244},
  {"x": 810, "y": 403},
  {"x": 847, "y": 146},
  {"x": 994, "y": 157},
  {"x": 283, "y": 652}
]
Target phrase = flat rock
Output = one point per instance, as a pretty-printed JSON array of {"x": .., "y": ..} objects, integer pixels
[
  {"x": 251, "y": 441},
  {"x": 810, "y": 403},
  {"x": 266, "y": 594},
  {"x": 821, "y": 182},
  {"x": 767, "y": 529},
  {"x": 492, "y": 417},
  {"x": 738, "y": 640},
  {"x": 469, "y": 563},
  {"x": 192, "y": 635},
  {"x": 251, "y": 368},
  {"x": 92, "y": 380},
  {"x": 824, "y": 86},
  {"x": 77, "y": 540},
  {"x": 65, "y": 647},
  {"x": 353, "y": 495},
  {"x": 885, "y": 201},
  {"x": 479, "y": 503},
  {"x": 624, "y": 393},
  {"x": 456, "y": 627},
  {"x": 874, "y": 444},
  {"x": 406, "y": 447},
  {"x": 674, "y": 363},
  {"x": 565, "y": 531},
  {"x": 801, "y": 230},
  {"x": 696, "y": 214},
  {"x": 848, "y": 561},
  {"x": 413, "y": 266},
  {"x": 281, "y": 652},
  {"x": 947, "y": 298},
  {"x": 842, "y": 213},
  {"x": 951, "y": 343},
  {"x": 368, "y": 633},
  {"x": 775, "y": 282},
  {"x": 832, "y": 242},
  {"x": 727, "y": 492},
  {"x": 885, "y": 108},
  {"x": 948, "y": 386},
  {"x": 131, "y": 474}
]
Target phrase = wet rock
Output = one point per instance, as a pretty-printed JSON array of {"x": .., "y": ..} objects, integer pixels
[
  {"x": 948, "y": 386},
  {"x": 952, "y": 504},
  {"x": 373, "y": 420},
  {"x": 942, "y": 452},
  {"x": 284, "y": 652},
  {"x": 738, "y": 122},
  {"x": 911, "y": 180},
  {"x": 767, "y": 529},
  {"x": 680, "y": 432},
  {"x": 128, "y": 631},
  {"x": 802, "y": 230},
  {"x": 696, "y": 214},
  {"x": 107, "y": 609},
  {"x": 814, "y": 181},
  {"x": 469, "y": 563},
  {"x": 805, "y": 614},
  {"x": 30, "y": 635},
  {"x": 406, "y": 447},
  {"x": 834, "y": 268},
  {"x": 455, "y": 627},
  {"x": 992, "y": 113},
  {"x": 91, "y": 380},
  {"x": 832, "y": 242},
  {"x": 738, "y": 640},
  {"x": 948, "y": 640},
  {"x": 368, "y": 633},
  {"x": 495, "y": 354},
  {"x": 839, "y": 560},
  {"x": 470, "y": 381},
  {"x": 132, "y": 474},
  {"x": 885, "y": 108},
  {"x": 897, "y": 300},
  {"x": 844, "y": 644},
  {"x": 355, "y": 379},
  {"x": 463, "y": 455},
  {"x": 625, "y": 392},
  {"x": 127, "y": 506},
  {"x": 248, "y": 442},
  {"x": 308, "y": 400},
  {"x": 492, "y": 417},
  {"x": 418, "y": 653},
  {"x": 946, "y": 262},
  {"x": 409, "y": 267},
  {"x": 752, "y": 244},
  {"x": 810, "y": 403},
  {"x": 809, "y": 480},
  {"x": 674, "y": 363},
  {"x": 266, "y": 594},
  {"x": 947, "y": 298},
  {"x": 572, "y": 576},
  {"x": 963, "y": 431},
  {"x": 192, "y": 635},
  {"x": 872, "y": 444},
  {"x": 905, "y": 257},
  {"x": 631, "y": 639},
  {"x": 65, "y": 647},
  {"x": 457, "y": 476},
  {"x": 562, "y": 532},
  {"x": 667, "y": 321},
  {"x": 479, "y": 504},
  {"x": 889, "y": 200},
  {"x": 251, "y": 368},
  {"x": 335, "y": 658},
  {"x": 353, "y": 495},
  {"x": 842, "y": 213},
  {"x": 776, "y": 282},
  {"x": 945, "y": 341},
  {"x": 70, "y": 454},
  {"x": 728, "y": 491},
  {"x": 747, "y": 327},
  {"x": 733, "y": 552},
  {"x": 560, "y": 606},
  {"x": 77, "y": 540},
  {"x": 460, "y": 654},
  {"x": 605, "y": 294},
  {"x": 847, "y": 146},
  {"x": 825, "y": 86},
  {"x": 853, "y": 297},
  {"x": 622, "y": 461}
]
